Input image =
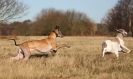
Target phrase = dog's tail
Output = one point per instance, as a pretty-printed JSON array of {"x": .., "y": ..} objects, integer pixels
[{"x": 15, "y": 42}]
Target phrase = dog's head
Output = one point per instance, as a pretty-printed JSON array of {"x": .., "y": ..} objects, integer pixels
[
  {"x": 122, "y": 31},
  {"x": 57, "y": 31}
]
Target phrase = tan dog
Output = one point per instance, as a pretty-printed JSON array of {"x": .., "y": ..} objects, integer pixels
[{"x": 44, "y": 45}]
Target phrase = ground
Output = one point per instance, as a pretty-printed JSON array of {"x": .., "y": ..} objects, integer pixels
[{"x": 82, "y": 61}]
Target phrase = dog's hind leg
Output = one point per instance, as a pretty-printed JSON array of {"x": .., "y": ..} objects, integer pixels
[
  {"x": 117, "y": 54},
  {"x": 103, "y": 52},
  {"x": 26, "y": 52},
  {"x": 19, "y": 55}
]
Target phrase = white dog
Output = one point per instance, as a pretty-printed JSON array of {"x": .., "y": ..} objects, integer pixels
[{"x": 115, "y": 46}]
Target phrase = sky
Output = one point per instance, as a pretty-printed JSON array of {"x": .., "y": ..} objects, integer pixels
[{"x": 94, "y": 9}]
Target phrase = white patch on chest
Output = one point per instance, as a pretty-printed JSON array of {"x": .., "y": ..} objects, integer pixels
[{"x": 46, "y": 49}]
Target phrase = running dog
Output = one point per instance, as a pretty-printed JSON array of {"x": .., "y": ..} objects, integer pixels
[{"x": 48, "y": 45}]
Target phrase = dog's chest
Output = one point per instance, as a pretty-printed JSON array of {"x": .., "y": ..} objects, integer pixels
[{"x": 45, "y": 49}]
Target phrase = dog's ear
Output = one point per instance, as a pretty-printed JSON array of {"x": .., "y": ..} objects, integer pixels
[
  {"x": 116, "y": 30},
  {"x": 120, "y": 30},
  {"x": 57, "y": 27}
]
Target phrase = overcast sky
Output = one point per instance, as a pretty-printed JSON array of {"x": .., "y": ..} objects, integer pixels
[{"x": 95, "y": 9}]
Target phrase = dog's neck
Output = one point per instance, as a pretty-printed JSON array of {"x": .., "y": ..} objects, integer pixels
[
  {"x": 119, "y": 38},
  {"x": 52, "y": 35}
]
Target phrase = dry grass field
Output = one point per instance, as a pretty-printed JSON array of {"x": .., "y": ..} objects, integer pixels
[{"x": 82, "y": 61}]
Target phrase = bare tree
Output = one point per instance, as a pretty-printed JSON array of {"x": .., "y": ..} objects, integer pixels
[
  {"x": 11, "y": 9},
  {"x": 71, "y": 22},
  {"x": 120, "y": 16}
]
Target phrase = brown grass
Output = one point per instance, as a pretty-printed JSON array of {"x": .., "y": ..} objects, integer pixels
[{"x": 82, "y": 61}]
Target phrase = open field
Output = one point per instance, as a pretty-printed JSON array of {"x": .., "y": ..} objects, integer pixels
[{"x": 82, "y": 61}]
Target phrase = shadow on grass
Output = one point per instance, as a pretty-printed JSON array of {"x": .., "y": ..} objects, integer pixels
[
  {"x": 42, "y": 55},
  {"x": 39, "y": 56}
]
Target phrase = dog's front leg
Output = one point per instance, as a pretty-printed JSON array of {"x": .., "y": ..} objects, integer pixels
[{"x": 62, "y": 46}]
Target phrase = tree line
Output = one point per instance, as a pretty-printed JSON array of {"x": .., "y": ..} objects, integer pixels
[{"x": 71, "y": 22}]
